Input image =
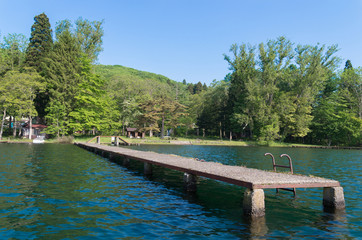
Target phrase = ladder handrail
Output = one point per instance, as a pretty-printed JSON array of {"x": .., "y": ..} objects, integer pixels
[{"x": 283, "y": 166}]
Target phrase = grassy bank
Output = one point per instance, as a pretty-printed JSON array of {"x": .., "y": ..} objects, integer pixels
[
  {"x": 194, "y": 141},
  {"x": 177, "y": 141}
]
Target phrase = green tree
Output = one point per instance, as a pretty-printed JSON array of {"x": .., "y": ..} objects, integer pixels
[
  {"x": 40, "y": 45},
  {"x": 89, "y": 36},
  {"x": 274, "y": 99},
  {"x": 348, "y": 65},
  {"x": 170, "y": 113},
  {"x": 335, "y": 123},
  {"x": 214, "y": 117},
  {"x": 244, "y": 92},
  {"x": 149, "y": 117},
  {"x": 164, "y": 109},
  {"x": 40, "y": 42},
  {"x": 274, "y": 58},
  {"x": 198, "y": 88},
  {"x": 62, "y": 69},
  {"x": 190, "y": 88},
  {"x": 91, "y": 107},
  {"x": 350, "y": 88},
  {"x": 18, "y": 91},
  {"x": 204, "y": 87},
  {"x": 14, "y": 47}
]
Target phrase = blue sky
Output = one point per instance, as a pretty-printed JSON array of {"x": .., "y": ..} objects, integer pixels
[{"x": 186, "y": 39}]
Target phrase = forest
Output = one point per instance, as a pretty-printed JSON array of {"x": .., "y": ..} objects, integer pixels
[{"x": 275, "y": 91}]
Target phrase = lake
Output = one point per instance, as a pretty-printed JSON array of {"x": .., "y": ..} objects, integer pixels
[{"x": 54, "y": 191}]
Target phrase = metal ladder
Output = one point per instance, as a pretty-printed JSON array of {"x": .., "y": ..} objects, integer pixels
[{"x": 283, "y": 166}]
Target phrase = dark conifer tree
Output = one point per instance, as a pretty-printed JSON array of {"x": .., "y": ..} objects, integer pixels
[
  {"x": 198, "y": 88},
  {"x": 40, "y": 42},
  {"x": 40, "y": 45},
  {"x": 204, "y": 87},
  {"x": 190, "y": 88},
  {"x": 348, "y": 65}
]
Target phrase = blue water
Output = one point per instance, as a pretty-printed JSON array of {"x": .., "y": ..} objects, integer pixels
[{"x": 53, "y": 191}]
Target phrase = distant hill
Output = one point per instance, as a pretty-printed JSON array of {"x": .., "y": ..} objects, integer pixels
[
  {"x": 109, "y": 71},
  {"x": 133, "y": 82}
]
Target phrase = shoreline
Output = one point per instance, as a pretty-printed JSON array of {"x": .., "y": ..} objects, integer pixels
[{"x": 200, "y": 142}]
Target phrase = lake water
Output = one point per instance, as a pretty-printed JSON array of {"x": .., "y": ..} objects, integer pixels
[{"x": 53, "y": 191}]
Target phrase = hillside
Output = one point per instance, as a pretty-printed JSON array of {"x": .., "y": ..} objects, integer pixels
[
  {"x": 133, "y": 83},
  {"x": 110, "y": 71}
]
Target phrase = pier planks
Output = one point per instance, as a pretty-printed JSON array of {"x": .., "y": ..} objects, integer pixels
[{"x": 238, "y": 175}]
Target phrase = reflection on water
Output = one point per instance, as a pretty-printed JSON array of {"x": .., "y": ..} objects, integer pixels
[
  {"x": 55, "y": 191},
  {"x": 257, "y": 227}
]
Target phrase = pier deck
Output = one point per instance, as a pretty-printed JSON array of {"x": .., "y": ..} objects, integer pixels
[{"x": 253, "y": 179}]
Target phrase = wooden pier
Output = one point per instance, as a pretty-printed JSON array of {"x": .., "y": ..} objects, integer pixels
[{"x": 253, "y": 179}]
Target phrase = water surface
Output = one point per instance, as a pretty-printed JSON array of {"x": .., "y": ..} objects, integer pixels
[{"x": 53, "y": 191}]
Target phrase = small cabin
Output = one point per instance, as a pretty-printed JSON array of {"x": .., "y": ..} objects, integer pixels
[
  {"x": 134, "y": 133},
  {"x": 37, "y": 130}
]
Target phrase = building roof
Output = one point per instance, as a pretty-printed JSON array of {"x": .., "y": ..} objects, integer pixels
[
  {"x": 131, "y": 129},
  {"x": 40, "y": 126}
]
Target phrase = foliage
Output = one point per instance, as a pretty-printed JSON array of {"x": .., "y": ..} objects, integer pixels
[
  {"x": 89, "y": 36},
  {"x": 17, "y": 93},
  {"x": 40, "y": 42},
  {"x": 272, "y": 93},
  {"x": 275, "y": 91}
]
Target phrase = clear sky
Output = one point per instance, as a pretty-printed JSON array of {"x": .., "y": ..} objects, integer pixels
[{"x": 186, "y": 39}]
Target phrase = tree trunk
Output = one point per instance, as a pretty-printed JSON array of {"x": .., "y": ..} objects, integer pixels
[
  {"x": 231, "y": 136},
  {"x": 30, "y": 126},
  {"x": 2, "y": 124},
  {"x": 58, "y": 131},
  {"x": 163, "y": 127},
  {"x": 220, "y": 131},
  {"x": 10, "y": 121},
  {"x": 151, "y": 133},
  {"x": 14, "y": 127},
  {"x": 203, "y": 132}
]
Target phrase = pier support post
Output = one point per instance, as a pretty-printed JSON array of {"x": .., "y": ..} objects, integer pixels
[
  {"x": 190, "y": 181},
  {"x": 253, "y": 203},
  {"x": 147, "y": 168},
  {"x": 98, "y": 140},
  {"x": 117, "y": 141},
  {"x": 333, "y": 198}
]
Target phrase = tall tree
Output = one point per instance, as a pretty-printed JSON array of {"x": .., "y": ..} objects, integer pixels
[
  {"x": 62, "y": 70},
  {"x": 39, "y": 47},
  {"x": 89, "y": 36},
  {"x": 274, "y": 99},
  {"x": 348, "y": 65},
  {"x": 149, "y": 116},
  {"x": 170, "y": 112},
  {"x": 244, "y": 93},
  {"x": 198, "y": 88},
  {"x": 40, "y": 42},
  {"x": 350, "y": 88},
  {"x": 92, "y": 107},
  {"x": 14, "y": 48},
  {"x": 214, "y": 117}
]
